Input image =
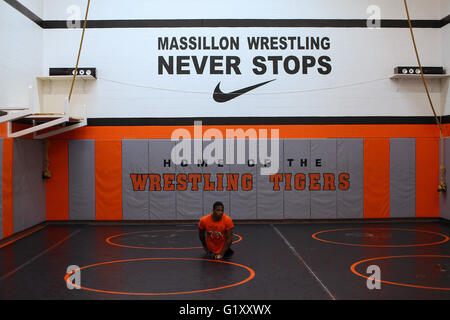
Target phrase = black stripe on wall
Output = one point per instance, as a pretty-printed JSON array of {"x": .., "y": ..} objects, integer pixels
[
  {"x": 228, "y": 23},
  {"x": 262, "y": 121},
  {"x": 26, "y": 12},
  {"x": 445, "y": 21},
  {"x": 244, "y": 23}
]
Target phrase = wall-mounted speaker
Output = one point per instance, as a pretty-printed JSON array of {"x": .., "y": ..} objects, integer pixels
[
  {"x": 416, "y": 70},
  {"x": 70, "y": 71}
]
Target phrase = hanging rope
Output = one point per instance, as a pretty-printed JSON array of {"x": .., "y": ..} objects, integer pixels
[
  {"x": 79, "y": 51},
  {"x": 442, "y": 186},
  {"x": 46, "y": 174}
]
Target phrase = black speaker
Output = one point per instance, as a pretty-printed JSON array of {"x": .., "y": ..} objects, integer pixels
[
  {"x": 69, "y": 72},
  {"x": 416, "y": 70}
]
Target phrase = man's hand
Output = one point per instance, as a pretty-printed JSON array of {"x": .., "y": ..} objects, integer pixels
[{"x": 228, "y": 236}]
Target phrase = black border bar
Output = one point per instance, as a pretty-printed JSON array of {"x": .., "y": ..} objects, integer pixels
[
  {"x": 228, "y": 23},
  {"x": 231, "y": 121},
  {"x": 244, "y": 23},
  {"x": 26, "y": 12},
  {"x": 445, "y": 21}
]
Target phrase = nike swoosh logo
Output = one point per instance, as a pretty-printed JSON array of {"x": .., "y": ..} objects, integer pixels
[{"x": 220, "y": 96}]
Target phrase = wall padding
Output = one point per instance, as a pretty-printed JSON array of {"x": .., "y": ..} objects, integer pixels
[
  {"x": 108, "y": 180},
  {"x": 82, "y": 179},
  {"x": 218, "y": 173},
  {"x": 323, "y": 164},
  {"x": 427, "y": 177},
  {"x": 445, "y": 197},
  {"x": 57, "y": 189},
  {"x": 350, "y": 160},
  {"x": 317, "y": 179},
  {"x": 376, "y": 178},
  {"x": 402, "y": 185},
  {"x": 29, "y": 207},
  {"x": 162, "y": 204},
  {"x": 7, "y": 187},
  {"x": 1, "y": 188},
  {"x": 135, "y": 161},
  {"x": 296, "y": 161}
]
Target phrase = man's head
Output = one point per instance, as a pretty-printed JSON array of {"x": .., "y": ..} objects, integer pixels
[{"x": 217, "y": 210}]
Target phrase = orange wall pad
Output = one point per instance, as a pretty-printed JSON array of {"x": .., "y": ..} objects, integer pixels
[
  {"x": 446, "y": 130},
  {"x": 376, "y": 178},
  {"x": 8, "y": 155},
  {"x": 427, "y": 177},
  {"x": 108, "y": 180},
  {"x": 57, "y": 187},
  {"x": 285, "y": 131}
]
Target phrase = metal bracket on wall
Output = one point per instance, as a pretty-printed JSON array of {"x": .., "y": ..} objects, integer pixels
[
  {"x": 79, "y": 123},
  {"x": 42, "y": 121}
]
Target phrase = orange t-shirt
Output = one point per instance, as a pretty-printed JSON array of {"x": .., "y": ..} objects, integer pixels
[{"x": 215, "y": 231}]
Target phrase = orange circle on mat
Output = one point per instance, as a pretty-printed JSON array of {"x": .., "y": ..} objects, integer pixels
[
  {"x": 250, "y": 277},
  {"x": 382, "y": 246},
  {"x": 108, "y": 240},
  {"x": 352, "y": 268}
]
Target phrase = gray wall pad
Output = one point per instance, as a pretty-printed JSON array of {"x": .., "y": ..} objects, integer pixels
[
  {"x": 162, "y": 203},
  {"x": 297, "y": 203},
  {"x": 270, "y": 202},
  {"x": 402, "y": 186},
  {"x": 28, "y": 186},
  {"x": 262, "y": 202},
  {"x": 209, "y": 197},
  {"x": 243, "y": 203},
  {"x": 323, "y": 203},
  {"x": 189, "y": 203},
  {"x": 135, "y": 160},
  {"x": 1, "y": 188},
  {"x": 350, "y": 159},
  {"x": 444, "y": 207},
  {"x": 82, "y": 179}
]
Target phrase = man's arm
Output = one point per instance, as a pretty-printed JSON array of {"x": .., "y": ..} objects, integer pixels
[
  {"x": 201, "y": 235},
  {"x": 228, "y": 240}
]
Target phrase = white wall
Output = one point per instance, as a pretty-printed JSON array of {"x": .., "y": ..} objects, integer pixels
[
  {"x": 358, "y": 55},
  {"x": 445, "y": 8},
  {"x": 21, "y": 54},
  {"x": 35, "y": 6}
]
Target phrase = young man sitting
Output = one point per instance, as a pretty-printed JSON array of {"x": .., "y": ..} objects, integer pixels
[{"x": 215, "y": 232}]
